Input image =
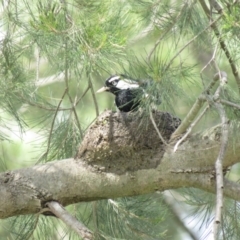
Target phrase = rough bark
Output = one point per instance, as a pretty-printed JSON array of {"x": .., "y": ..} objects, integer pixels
[{"x": 121, "y": 155}]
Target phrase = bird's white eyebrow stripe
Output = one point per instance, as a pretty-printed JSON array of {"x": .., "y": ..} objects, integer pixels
[
  {"x": 127, "y": 85},
  {"x": 114, "y": 78}
]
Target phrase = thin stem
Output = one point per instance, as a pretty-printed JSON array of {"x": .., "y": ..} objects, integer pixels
[
  {"x": 230, "y": 103},
  {"x": 190, "y": 41},
  {"x": 222, "y": 43},
  {"x": 190, "y": 128},
  {"x": 69, "y": 96},
  {"x": 30, "y": 234},
  {"x": 167, "y": 30},
  {"x": 219, "y": 168},
  {"x": 187, "y": 121},
  {"x": 219, "y": 161},
  {"x": 93, "y": 94},
  {"x": 156, "y": 128},
  {"x": 82, "y": 96},
  {"x": 95, "y": 219},
  {"x": 175, "y": 212},
  {"x": 52, "y": 126},
  {"x": 37, "y": 55},
  {"x": 215, "y": 101},
  {"x": 54, "y": 108},
  {"x": 58, "y": 210},
  {"x": 209, "y": 62}
]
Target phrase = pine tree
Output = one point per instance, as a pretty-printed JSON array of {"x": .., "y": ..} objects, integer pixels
[{"x": 73, "y": 170}]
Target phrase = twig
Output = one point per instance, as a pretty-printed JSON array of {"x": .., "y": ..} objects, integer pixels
[
  {"x": 190, "y": 128},
  {"x": 167, "y": 30},
  {"x": 52, "y": 126},
  {"x": 218, "y": 164},
  {"x": 212, "y": 59},
  {"x": 219, "y": 169},
  {"x": 217, "y": 76},
  {"x": 37, "y": 55},
  {"x": 156, "y": 128},
  {"x": 175, "y": 212},
  {"x": 43, "y": 106},
  {"x": 82, "y": 96},
  {"x": 222, "y": 43},
  {"x": 196, "y": 107},
  {"x": 93, "y": 94},
  {"x": 94, "y": 215},
  {"x": 190, "y": 41},
  {"x": 49, "y": 80},
  {"x": 230, "y": 103},
  {"x": 150, "y": 27},
  {"x": 58, "y": 210},
  {"x": 30, "y": 234},
  {"x": 66, "y": 79},
  {"x": 189, "y": 118},
  {"x": 75, "y": 114}
]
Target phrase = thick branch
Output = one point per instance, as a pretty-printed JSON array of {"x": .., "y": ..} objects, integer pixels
[{"x": 109, "y": 165}]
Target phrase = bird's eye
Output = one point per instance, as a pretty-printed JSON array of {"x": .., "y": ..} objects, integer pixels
[{"x": 114, "y": 83}]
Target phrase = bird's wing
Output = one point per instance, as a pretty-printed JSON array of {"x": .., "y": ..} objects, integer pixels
[{"x": 127, "y": 84}]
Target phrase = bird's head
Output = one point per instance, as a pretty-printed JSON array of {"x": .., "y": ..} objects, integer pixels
[{"x": 117, "y": 83}]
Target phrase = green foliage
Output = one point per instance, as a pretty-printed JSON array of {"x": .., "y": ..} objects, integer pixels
[
  {"x": 135, "y": 218},
  {"x": 55, "y": 54},
  {"x": 201, "y": 207},
  {"x": 231, "y": 23}
]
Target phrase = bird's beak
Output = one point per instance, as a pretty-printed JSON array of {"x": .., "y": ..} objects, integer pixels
[{"x": 103, "y": 89}]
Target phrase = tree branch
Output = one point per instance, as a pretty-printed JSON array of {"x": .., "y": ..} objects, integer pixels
[
  {"x": 219, "y": 161},
  {"x": 69, "y": 220},
  {"x": 219, "y": 168},
  {"x": 117, "y": 160},
  {"x": 222, "y": 43},
  {"x": 190, "y": 128},
  {"x": 188, "y": 120},
  {"x": 176, "y": 214},
  {"x": 230, "y": 103}
]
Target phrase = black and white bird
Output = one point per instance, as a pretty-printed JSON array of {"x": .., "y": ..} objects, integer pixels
[{"x": 128, "y": 92}]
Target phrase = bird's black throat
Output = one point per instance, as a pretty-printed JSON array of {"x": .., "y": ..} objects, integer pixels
[{"x": 128, "y": 99}]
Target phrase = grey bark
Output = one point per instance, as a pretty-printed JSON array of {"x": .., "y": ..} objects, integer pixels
[{"x": 119, "y": 156}]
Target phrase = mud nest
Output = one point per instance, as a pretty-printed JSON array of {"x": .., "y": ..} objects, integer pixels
[{"x": 119, "y": 142}]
